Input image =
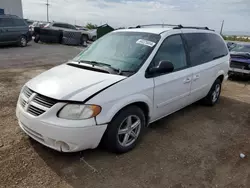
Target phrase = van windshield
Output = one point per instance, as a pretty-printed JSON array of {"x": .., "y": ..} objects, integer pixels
[{"x": 125, "y": 51}]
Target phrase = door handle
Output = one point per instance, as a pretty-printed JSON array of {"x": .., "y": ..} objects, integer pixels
[
  {"x": 196, "y": 77},
  {"x": 187, "y": 80}
]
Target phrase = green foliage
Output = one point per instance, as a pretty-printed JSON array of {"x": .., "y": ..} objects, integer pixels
[
  {"x": 234, "y": 38},
  {"x": 91, "y": 26}
]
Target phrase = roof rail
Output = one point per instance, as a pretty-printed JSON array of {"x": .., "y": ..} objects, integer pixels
[
  {"x": 192, "y": 27},
  {"x": 172, "y": 25},
  {"x": 148, "y": 25},
  {"x": 9, "y": 15}
]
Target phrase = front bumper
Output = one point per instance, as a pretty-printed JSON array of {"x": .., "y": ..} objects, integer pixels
[
  {"x": 239, "y": 71},
  {"x": 61, "y": 135}
]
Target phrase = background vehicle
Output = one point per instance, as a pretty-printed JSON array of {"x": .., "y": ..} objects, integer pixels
[
  {"x": 36, "y": 24},
  {"x": 240, "y": 59},
  {"x": 91, "y": 32},
  {"x": 14, "y": 30},
  {"x": 230, "y": 45},
  {"x": 124, "y": 81},
  {"x": 86, "y": 34}
]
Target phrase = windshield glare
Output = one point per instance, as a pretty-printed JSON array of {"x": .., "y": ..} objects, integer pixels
[
  {"x": 125, "y": 51},
  {"x": 241, "y": 48}
]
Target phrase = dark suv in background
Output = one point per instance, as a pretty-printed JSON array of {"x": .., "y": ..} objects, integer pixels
[{"x": 14, "y": 30}]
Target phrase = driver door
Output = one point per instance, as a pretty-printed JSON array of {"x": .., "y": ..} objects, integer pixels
[{"x": 172, "y": 90}]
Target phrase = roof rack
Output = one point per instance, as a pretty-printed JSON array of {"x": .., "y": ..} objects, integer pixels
[
  {"x": 192, "y": 27},
  {"x": 148, "y": 25},
  {"x": 173, "y": 25},
  {"x": 9, "y": 15}
]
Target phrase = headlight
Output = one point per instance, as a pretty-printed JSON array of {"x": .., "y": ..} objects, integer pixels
[{"x": 79, "y": 111}]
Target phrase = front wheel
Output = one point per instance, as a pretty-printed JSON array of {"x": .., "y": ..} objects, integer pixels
[
  {"x": 214, "y": 94},
  {"x": 125, "y": 130},
  {"x": 23, "y": 41}
]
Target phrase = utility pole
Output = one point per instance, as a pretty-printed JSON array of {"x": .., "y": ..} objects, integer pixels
[
  {"x": 221, "y": 29},
  {"x": 47, "y": 4}
]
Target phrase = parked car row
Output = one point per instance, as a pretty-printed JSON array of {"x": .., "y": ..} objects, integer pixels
[{"x": 64, "y": 33}]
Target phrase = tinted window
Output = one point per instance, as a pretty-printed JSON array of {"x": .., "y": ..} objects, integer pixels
[
  {"x": 18, "y": 22},
  {"x": 205, "y": 47},
  {"x": 241, "y": 48},
  {"x": 172, "y": 50},
  {"x": 6, "y": 22},
  {"x": 71, "y": 27},
  {"x": 58, "y": 25}
]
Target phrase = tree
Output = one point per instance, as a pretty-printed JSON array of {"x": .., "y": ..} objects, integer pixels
[{"x": 91, "y": 26}]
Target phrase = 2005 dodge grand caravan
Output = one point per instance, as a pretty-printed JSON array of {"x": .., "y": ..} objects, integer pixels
[{"x": 121, "y": 83}]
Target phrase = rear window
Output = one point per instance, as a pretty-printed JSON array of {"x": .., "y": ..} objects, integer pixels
[{"x": 205, "y": 47}]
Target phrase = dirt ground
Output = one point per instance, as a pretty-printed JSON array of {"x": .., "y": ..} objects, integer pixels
[{"x": 195, "y": 147}]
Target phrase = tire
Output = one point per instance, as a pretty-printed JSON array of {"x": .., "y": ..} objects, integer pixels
[
  {"x": 214, "y": 94},
  {"x": 84, "y": 40},
  {"x": 22, "y": 41},
  {"x": 128, "y": 137},
  {"x": 94, "y": 38},
  {"x": 37, "y": 38}
]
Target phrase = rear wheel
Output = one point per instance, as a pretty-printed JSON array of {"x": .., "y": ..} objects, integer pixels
[
  {"x": 22, "y": 41},
  {"x": 214, "y": 94},
  {"x": 125, "y": 130},
  {"x": 37, "y": 38},
  {"x": 84, "y": 40}
]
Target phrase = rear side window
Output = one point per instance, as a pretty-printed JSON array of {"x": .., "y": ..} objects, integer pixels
[
  {"x": 6, "y": 22},
  {"x": 71, "y": 27},
  {"x": 57, "y": 25},
  {"x": 18, "y": 22},
  {"x": 204, "y": 47}
]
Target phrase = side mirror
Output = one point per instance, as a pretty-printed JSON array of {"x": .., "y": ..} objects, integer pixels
[{"x": 163, "y": 67}]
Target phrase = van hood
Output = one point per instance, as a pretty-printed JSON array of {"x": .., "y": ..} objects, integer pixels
[{"x": 66, "y": 82}]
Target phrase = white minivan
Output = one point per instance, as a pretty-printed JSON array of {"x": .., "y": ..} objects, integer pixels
[{"x": 124, "y": 81}]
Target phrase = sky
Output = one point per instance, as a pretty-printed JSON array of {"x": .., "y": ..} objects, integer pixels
[{"x": 119, "y": 13}]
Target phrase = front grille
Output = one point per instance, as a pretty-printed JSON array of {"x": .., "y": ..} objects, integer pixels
[
  {"x": 34, "y": 103},
  {"x": 44, "y": 101},
  {"x": 240, "y": 65},
  {"x": 35, "y": 111},
  {"x": 27, "y": 92}
]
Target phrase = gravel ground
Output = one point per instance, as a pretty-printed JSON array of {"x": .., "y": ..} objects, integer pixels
[
  {"x": 36, "y": 54},
  {"x": 195, "y": 147}
]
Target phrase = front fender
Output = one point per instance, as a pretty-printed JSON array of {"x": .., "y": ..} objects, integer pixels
[{"x": 110, "y": 110}]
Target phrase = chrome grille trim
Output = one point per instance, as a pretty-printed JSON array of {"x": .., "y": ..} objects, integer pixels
[
  {"x": 27, "y": 92},
  {"x": 44, "y": 101},
  {"x": 34, "y": 103},
  {"x": 35, "y": 111}
]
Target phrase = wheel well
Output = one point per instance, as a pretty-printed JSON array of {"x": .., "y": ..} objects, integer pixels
[
  {"x": 142, "y": 105},
  {"x": 86, "y": 36},
  {"x": 221, "y": 78}
]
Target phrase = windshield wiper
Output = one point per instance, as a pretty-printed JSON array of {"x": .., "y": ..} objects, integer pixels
[
  {"x": 119, "y": 71},
  {"x": 99, "y": 64}
]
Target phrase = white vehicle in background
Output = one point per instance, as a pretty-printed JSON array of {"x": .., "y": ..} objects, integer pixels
[
  {"x": 120, "y": 84},
  {"x": 92, "y": 33},
  {"x": 36, "y": 24},
  {"x": 86, "y": 34}
]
